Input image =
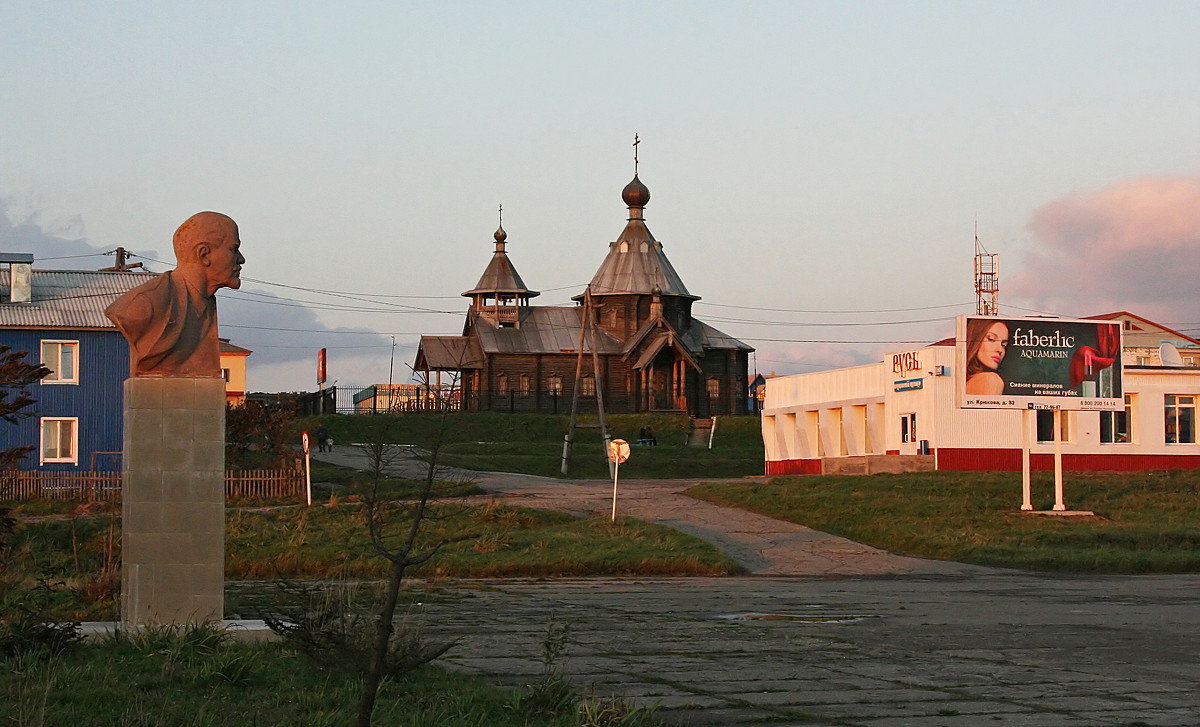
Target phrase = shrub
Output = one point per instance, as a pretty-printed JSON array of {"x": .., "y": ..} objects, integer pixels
[{"x": 335, "y": 627}]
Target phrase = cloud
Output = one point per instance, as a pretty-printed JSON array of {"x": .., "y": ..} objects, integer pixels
[
  {"x": 283, "y": 335},
  {"x": 804, "y": 358},
  {"x": 61, "y": 242},
  {"x": 1134, "y": 245}
]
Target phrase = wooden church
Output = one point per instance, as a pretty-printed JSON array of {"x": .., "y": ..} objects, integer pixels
[{"x": 651, "y": 354}]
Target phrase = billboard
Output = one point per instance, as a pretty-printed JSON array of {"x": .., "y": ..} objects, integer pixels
[{"x": 1038, "y": 363}]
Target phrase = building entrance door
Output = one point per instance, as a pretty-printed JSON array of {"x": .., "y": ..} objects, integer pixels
[{"x": 660, "y": 389}]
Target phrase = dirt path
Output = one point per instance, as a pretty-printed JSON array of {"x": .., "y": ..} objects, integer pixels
[{"x": 761, "y": 545}]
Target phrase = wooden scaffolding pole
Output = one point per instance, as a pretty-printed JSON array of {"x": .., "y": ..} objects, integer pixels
[{"x": 586, "y": 326}]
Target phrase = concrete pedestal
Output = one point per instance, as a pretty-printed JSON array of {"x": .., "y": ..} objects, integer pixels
[{"x": 173, "y": 531}]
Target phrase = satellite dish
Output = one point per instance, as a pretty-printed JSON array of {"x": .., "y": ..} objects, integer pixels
[{"x": 1170, "y": 355}]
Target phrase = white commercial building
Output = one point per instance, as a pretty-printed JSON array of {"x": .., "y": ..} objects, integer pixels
[{"x": 902, "y": 414}]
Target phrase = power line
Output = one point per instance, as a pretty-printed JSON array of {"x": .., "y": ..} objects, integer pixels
[
  {"x": 845, "y": 311},
  {"x": 318, "y": 330},
  {"x": 73, "y": 257},
  {"x": 835, "y": 325},
  {"x": 309, "y": 348},
  {"x": 252, "y": 297},
  {"x": 924, "y": 342}
]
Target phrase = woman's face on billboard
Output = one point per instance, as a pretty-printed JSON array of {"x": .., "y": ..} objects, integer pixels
[{"x": 993, "y": 347}]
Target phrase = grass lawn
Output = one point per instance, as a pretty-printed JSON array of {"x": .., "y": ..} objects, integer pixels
[
  {"x": 533, "y": 443},
  {"x": 1145, "y": 522},
  {"x": 492, "y": 541},
  {"x": 193, "y": 679},
  {"x": 80, "y": 557},
  {"x": 331, "y": 480}
]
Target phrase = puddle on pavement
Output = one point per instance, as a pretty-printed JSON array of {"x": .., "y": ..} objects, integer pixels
[{"x": 806, "y": 618}]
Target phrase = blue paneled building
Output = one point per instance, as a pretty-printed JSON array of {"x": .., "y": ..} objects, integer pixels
[{"x": 57, "y": 316}]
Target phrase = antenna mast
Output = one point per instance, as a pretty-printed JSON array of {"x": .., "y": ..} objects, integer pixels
[{"x": 987, "y": 279}]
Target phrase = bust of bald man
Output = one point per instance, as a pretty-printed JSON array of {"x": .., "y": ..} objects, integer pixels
[{"x": 171, "y": 321}]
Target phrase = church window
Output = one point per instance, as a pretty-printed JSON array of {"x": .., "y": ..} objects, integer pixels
[
  {"x": 623, "y": 247},
  {"x": 587, "y": 386},
  {"x": 714, "y": 387},
  {"x": 502, "y": 383},
  {"x": 554, "y": 384},
  {"x": 523, "y": 386},
  {"x": 645, "y": 247}
]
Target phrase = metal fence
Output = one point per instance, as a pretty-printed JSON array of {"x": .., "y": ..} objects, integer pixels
[{"x": 377, "y": 399}]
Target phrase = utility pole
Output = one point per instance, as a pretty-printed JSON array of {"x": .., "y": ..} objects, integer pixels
[{"x": 122, "y": 266}]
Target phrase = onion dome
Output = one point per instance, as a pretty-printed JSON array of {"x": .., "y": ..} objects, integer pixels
[
  {"x": 636, "y": 264},
  {"x": 500, "y": 279},
  {"x": 635, "y": 193}
]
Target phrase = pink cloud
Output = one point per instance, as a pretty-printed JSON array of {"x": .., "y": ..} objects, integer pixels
[
  {"x": 1134, "y": 245},
  {"x": 804, "y": 358}
]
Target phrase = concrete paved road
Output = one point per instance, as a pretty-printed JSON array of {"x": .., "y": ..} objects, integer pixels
[
  {"x": 840, "y": 634},
  {"x": 999, "y": 648}
]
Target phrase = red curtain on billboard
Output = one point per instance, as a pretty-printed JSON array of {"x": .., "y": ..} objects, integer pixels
[{"x": 1088, "y": 361}]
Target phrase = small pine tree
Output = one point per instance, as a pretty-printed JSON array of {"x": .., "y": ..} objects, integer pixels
[{"x": 16, "y": 376}]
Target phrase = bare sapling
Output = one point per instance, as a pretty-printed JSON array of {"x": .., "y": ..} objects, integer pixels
[{"x": 394, "y": 530}]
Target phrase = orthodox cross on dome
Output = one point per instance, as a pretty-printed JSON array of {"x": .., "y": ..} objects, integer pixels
[
  {"x": 636, "y": 141},
  {"x": 500, "y": 235}
]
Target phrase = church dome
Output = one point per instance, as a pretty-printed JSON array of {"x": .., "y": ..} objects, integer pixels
[
  {"x": 500, "y": 235},
  {"x": 635, "y": 193}
]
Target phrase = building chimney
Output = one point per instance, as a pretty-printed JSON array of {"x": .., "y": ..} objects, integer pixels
[{"x": 20, "y": 276}]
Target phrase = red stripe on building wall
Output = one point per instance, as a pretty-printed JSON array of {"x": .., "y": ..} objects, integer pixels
[
  {"x": 1009, "y": 460},
  {"x": 794, "y": 467}
]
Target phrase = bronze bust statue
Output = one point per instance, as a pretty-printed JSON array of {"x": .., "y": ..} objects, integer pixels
[{"x": 171, "y": 321}]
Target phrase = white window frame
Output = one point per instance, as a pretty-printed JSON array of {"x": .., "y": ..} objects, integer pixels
[
  {"x": 55, "y": 377},
  {"x": 1065, "y": 428},
  {"x": 73, "y": 457},
  {"x": 1110, "y": 427},
  {"x": 1172, "y": 404}
]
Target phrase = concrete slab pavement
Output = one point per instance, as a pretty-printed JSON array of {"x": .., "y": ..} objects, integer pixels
[
  {"x": 1000, "y": 648},
  {"x": 839, "y": 634}
]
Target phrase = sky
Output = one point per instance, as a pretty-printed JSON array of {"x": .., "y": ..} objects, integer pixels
[{"x": 819, "y": 170}]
